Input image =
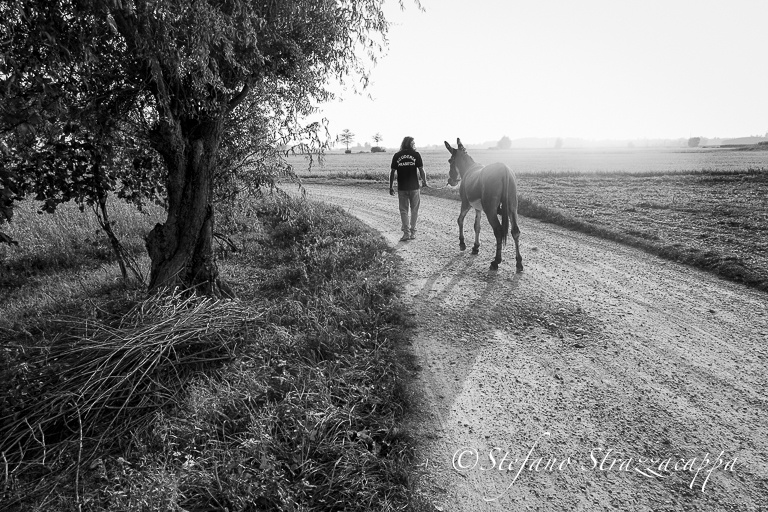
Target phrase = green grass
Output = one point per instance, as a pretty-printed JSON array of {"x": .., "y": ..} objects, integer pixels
[{"x": 289, "y": 397}]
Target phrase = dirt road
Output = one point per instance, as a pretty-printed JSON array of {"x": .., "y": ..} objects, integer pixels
[{"x": 599, "y": 378}]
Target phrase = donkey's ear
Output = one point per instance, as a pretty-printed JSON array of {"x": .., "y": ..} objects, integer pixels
[
  {"x": 448, "y": 146},
  {"x": 459, "y": 144}
]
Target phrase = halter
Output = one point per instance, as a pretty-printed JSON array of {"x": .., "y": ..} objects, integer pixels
[{"x": 476, "y": 166}]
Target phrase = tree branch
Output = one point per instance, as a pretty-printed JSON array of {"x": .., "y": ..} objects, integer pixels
[{"x": 234, "y": 102}]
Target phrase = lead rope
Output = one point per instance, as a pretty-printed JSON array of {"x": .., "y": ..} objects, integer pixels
[{"x": 438, "y": 188}]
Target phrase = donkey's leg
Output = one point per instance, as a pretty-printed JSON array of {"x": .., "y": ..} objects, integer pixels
[
  {"x": 493, "y": 220},
  {"x": 512, "y": 201},
  {"x": 516, "y": 238},
  {"x": 476, "y": 247},
  {"x": 462, "y": 214}
]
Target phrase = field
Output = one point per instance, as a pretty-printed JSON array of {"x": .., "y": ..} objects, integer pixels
[
  {"x": 536, "y": 161},
  {"x": 706, "y": 208}
]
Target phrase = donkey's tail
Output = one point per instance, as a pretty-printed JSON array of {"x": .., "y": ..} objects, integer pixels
[{"x": 505, "y": 207}]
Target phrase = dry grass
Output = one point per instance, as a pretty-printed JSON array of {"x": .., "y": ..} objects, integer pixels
[{"x": 99, "y": 382}]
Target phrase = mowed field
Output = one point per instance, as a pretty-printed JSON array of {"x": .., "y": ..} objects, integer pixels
[{"x": 708, "y": 208}]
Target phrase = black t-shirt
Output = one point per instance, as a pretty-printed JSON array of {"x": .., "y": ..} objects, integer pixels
[{"x": 407, "y": 163}]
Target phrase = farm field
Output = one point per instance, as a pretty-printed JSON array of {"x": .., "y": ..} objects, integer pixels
[
  {"x": 708, "y": 208},
  {"x": 537, "y": 161},
  {"x": 717, "y": 221}
]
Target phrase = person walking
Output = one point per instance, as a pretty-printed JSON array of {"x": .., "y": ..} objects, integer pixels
[{"x": 406, "y": 163}]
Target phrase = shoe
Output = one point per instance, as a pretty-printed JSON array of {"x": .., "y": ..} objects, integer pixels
[
  {"x": 405, "y": 238},
  {"x": 413, "y": 236}
]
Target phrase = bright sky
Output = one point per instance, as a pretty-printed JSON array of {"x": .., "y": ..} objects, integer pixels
[{"x": 593, "y": 69}]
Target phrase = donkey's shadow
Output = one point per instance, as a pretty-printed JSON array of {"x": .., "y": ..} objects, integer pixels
[{"x": 460, "y": 266}]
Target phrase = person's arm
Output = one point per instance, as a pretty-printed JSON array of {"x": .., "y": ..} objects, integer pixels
[
  {"x": 392, "y": 181},
  {"x": 423, "y": 177},
  {"x": 420, "y": 167}
]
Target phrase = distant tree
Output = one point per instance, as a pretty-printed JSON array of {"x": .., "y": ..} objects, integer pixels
[
  {"x": 377, "y": 149},
  {"x": 504, "y": 143},
  {"x": 694, "y": 142},
  {"x": 346, "y": 137},
  {"x": 558, "y": 143}
]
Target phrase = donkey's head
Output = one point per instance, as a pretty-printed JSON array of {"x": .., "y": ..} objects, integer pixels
[{"x": 460, "y": 162}]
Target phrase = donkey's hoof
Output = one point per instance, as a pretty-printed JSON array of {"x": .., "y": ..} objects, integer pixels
[
  {"x": 475, "y": 250},
  {"x": 494, "y": 265},
  {"x": 519, "y": 267},
  {"x": 462, "y": 246}
]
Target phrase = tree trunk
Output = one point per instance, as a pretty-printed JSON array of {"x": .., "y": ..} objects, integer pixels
[{"x": 181, "y": 249}]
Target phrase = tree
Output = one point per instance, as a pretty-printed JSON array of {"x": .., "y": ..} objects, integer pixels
[
  {"x": 504, "y": 143},
  {"x": 693, "y": 142},
  {"x": 377, "y": 149},
  {"x": 346, "y": 137},
  {"x": 184, "y": 68},
  {"x": 558, "y": 143}
]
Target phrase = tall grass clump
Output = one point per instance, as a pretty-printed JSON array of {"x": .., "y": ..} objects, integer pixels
[
  {"x": 68, "y": 239},
  {"x": 288, "y": 398},
  {"x": 92, "y": 387}
]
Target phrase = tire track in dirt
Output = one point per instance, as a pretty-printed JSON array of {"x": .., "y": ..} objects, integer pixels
[{"x": 596, "y": 350}]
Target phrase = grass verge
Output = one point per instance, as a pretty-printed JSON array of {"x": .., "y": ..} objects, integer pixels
[{"x": 288, "y": 398}]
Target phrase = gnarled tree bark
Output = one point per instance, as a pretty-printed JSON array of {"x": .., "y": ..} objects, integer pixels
[{"x": 181, "y": 249}]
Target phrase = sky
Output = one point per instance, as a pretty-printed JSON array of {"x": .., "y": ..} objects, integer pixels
[{"x": 590, "y": 69}]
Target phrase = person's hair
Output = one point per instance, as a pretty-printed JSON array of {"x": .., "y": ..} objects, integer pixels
[{"x": 406, "y": 144}]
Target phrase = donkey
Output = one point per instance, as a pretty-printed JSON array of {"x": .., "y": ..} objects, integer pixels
[{"x": 491, "y": 189}]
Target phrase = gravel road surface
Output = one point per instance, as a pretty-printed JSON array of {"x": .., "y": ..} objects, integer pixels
[{"x": 599, "y": 378}]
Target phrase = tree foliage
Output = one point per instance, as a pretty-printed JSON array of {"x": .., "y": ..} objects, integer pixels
[{"x": 504, "y": 143}]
